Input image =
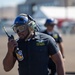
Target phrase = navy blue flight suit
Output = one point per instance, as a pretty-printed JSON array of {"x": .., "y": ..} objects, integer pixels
[{"x": 35, "y": 52}]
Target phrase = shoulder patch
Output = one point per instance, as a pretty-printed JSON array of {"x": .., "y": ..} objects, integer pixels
[{"x": 55, "y": 36}]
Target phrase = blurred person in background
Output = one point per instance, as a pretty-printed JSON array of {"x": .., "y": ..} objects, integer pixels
[
  {"x": 50, "y": 24},
  {"x": 32, "y": 49}
]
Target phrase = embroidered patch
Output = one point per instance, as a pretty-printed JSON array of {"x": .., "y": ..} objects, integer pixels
[
  {"x": 55, "y": 36},
  {"x": 40, "y": 43}
]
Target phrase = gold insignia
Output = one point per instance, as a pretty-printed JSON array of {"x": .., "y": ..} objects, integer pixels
[
  {"x": 40, "y": 43},
  {"x": 55, "y": 36}
]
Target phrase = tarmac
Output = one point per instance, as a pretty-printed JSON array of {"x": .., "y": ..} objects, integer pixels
[{"x": 69, "y": 48}]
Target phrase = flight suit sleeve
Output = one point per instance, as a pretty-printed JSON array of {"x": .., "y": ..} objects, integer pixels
[
  {"x": 52, "y": 46},
  {"x": 59, "y": 38}
]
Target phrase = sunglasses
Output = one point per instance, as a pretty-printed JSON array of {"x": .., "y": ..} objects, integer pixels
[{"x": 19, "y": 28}]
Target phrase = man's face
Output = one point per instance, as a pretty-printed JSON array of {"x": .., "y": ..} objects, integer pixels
[
  {"x": 50, "y": 27},
  {"x": 22, "y": 31}
]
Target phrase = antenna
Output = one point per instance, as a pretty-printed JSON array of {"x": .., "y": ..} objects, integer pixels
[{"x": 5, "y": 31}]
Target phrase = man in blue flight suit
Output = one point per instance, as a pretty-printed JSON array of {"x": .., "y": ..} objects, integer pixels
[
  {"x": 49, "y": 24},
  {"x": 32, "y": 50}
]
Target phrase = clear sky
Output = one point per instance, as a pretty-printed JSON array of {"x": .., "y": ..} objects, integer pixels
[{"x": 5, "y": 3}]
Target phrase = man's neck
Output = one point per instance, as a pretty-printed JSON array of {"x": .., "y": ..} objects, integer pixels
[{"x": 29, "y": 36}]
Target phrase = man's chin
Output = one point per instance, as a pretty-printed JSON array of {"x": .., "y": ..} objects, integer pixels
[{"x": 21, "y": 37}]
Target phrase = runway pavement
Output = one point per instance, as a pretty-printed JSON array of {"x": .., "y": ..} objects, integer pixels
[{"x": 69, "y": 46}]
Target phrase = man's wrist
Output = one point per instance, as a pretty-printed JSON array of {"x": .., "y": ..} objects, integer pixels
[{"x": 10, "y": 53}]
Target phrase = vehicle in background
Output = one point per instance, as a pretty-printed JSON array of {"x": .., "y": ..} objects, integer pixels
[{"x": 68, "y": 27}]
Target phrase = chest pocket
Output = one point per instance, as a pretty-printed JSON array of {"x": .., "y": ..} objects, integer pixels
[
  {"x": 40, "y": 48},
  {"x": 41, "y": 52}
]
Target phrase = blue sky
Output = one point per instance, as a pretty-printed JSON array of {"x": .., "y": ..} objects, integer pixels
[{"x": 4, "y": 3}]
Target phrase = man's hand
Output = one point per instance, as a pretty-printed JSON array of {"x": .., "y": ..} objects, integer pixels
[{"x": 11, "y": 45}]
